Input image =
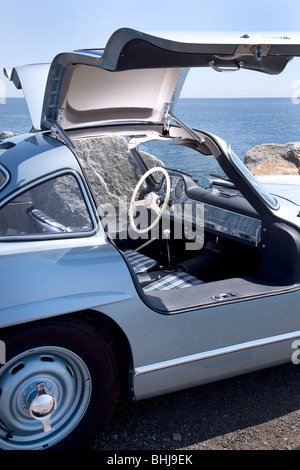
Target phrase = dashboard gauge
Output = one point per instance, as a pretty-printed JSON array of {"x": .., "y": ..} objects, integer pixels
[
  {"x": 179, "y": 189},
  {"x": 165, "y": 186}
]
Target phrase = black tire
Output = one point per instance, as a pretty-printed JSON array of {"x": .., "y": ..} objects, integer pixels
[{"x": 79, "y": 366}]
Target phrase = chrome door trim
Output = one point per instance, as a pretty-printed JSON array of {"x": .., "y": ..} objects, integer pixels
[
  {"x": 6, "y": 176},
  {"x": 216, "y": 352}
]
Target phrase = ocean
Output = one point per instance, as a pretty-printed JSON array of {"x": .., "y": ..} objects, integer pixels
[
  {"x": 14, "y": 116},
  {"x": 242, "y": 122}
]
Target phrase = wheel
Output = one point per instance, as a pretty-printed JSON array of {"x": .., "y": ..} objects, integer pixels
[
  {"x": 150, "y": 202},
  {"x": 58, "y": 387}
]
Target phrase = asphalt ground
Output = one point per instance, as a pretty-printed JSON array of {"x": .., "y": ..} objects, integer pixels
[{"x": 257, "y": 411}]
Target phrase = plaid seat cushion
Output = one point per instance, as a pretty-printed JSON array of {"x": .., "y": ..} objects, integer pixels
[
  {"x": 176, "y": 280},
  {"x": 139, "y": 262}
]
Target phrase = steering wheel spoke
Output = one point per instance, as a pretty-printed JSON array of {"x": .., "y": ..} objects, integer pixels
[
  {"x": 140, "y": 203},
  {"x": 155, "y": 208}
]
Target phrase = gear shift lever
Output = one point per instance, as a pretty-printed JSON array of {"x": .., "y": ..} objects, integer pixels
[{"x": 166, "y": 235}]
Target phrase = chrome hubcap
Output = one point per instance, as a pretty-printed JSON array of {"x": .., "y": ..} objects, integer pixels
[
  {"x": 44, "y": 393},
  {"x": 42, "y": 407},
  {"x": 28, "y": 394}
]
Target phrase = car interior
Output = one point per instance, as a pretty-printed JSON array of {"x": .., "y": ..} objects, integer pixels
[
  {"x": 219, "y": 256},
  {"x": 189, "y": 235}
]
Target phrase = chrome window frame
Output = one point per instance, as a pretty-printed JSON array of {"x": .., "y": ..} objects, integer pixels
[
  {"x": 257, "y": 187},
  {"x": 55, "y": 236},
  {"x": 7, "y": 176}
]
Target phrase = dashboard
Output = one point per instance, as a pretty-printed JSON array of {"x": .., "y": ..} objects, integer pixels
[{"x": 218, "y": 208}]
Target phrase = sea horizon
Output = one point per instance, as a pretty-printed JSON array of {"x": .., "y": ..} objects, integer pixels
[{"x": 243, "y": 122}]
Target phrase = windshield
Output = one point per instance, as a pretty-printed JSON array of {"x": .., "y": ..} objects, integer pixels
[
  {"x": 173, "y": 155},
  {"x": 180, "y": 157}
]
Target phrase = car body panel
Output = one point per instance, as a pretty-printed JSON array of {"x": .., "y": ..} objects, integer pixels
[
  {"x": 286, "y": 189},
  {"x": 194, "y": 48},
  {"x": 177, "y": 336},
  {"x": 32, "y": 156},
  {"x": 30, "y": 159},
  {"x": 216, "y": 329},
  {"x": 83, "y": 269},
  {"x": 285, "y": 186},
  {"x": 194, "y": 347},
  {"x": 77, "y": 269}
]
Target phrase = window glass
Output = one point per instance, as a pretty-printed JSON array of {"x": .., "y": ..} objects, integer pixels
[
  {"x": 54, "y": 206},
  {"x": 172, "y": 155}
]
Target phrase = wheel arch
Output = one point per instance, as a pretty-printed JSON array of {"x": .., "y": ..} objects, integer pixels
[
  {"x": 119, "y": 342},
  {"x": 75, "y": 356},
  {"x": 108, "y": 328}
]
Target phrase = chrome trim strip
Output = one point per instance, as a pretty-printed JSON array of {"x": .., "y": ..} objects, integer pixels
[
  {"x": 232, "y": 223},
  {"x": 6, "y": 176},
  {"x": 215, "y": 353}
]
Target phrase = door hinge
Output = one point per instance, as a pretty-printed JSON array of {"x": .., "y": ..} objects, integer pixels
[
  {"x": 165, "y": 118},
  {"x": 57, "y": 133}
]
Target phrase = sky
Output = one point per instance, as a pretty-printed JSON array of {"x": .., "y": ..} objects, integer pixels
[{"x": 36, "y": 30}]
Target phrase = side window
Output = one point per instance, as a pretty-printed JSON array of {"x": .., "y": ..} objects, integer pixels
[{"x": 54, "y": 206}]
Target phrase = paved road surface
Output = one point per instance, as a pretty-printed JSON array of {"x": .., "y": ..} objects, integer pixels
[{"x": 255, "y": 411}]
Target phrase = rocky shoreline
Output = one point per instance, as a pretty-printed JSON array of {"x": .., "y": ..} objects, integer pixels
[
  {"x": 274, "y": 159},
  {"x": 6, "y": 135}
]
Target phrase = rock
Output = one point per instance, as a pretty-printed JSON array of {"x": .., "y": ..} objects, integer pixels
[
  {"x": 111, "y": 171},
  {"x": 150, "y": 161},
  {"x": 6, "y": 135},
  {"x": 272, "y": 159}
]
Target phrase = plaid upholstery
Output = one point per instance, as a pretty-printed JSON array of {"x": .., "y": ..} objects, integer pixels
[
  {"x": 176, "y": 280},
  {"x": 139, "y": 262}
]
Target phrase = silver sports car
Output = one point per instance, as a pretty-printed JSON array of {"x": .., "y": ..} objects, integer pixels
[{"x": 120, "y": 273}]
